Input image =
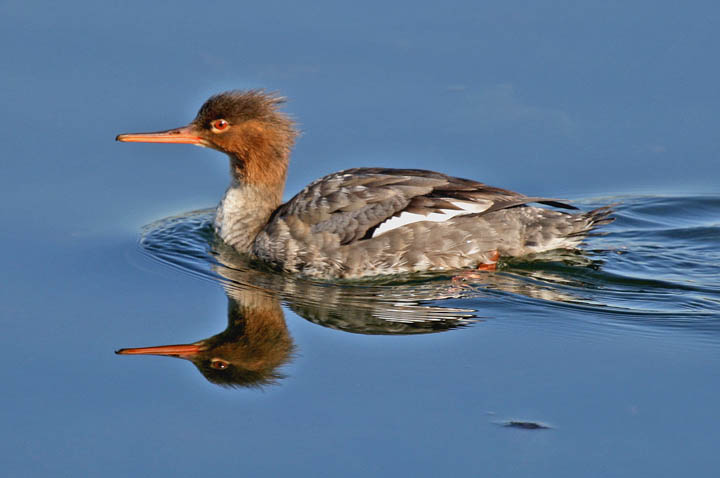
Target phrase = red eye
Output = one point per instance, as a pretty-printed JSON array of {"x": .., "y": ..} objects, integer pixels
[
  {"x": 219, "y": 125},
  {"x": 219, "y": 364}
]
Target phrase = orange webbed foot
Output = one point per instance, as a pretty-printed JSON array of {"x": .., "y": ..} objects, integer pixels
[
  {"x": 491, "y": 265},
  {"x": 463, "y": 277}
]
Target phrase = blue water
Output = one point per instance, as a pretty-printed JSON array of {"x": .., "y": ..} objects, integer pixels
[{"x": 604, "y": 363}]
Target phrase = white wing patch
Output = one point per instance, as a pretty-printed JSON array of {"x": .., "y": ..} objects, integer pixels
[{"x": 445, "y": 215}]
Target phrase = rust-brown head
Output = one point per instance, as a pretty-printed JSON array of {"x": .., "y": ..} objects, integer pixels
[{"x": 246, "y": 125}]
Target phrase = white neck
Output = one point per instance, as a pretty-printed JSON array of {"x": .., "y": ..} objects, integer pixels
[{"x": 241, "y": 215}]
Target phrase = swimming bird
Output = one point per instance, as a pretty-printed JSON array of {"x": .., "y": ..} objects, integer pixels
[{"x": 361, "y": 222}]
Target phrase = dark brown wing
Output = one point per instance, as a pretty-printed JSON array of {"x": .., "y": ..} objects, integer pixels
[{"x": 354, "y": 202}]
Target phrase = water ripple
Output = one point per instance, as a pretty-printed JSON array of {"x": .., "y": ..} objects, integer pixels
[{"x": 656, "y": 267}]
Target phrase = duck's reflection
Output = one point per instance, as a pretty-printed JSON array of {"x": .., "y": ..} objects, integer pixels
[
  {"x": 249, "y": 352},
  {"x": 256, "y": 343}
]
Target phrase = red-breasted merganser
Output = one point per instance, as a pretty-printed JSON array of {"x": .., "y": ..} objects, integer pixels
[{"x": 365, "y": 221}]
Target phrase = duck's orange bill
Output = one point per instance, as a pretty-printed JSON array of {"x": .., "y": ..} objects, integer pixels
[
  {"x": 183, "y": 350},
  {"x": 184, "y": 135}
]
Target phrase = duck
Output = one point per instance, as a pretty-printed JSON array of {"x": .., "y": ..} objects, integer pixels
[{"x": 362, "y": 222}]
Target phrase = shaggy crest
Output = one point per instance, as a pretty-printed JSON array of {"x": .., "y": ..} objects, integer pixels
[{"x": 238, "y": 106}]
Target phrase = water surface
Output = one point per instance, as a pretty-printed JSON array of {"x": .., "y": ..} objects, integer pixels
[
  {"x": 656, "y": 267},
  {"x": 615, "y": 350}
]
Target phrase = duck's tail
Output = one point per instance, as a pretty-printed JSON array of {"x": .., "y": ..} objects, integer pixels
[
  {"x": 547, "y": 229},
  {"x": 591, "y": 220}
]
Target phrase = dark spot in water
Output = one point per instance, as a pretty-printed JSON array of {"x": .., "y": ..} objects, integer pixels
[{"x": 526, "y": 425}]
